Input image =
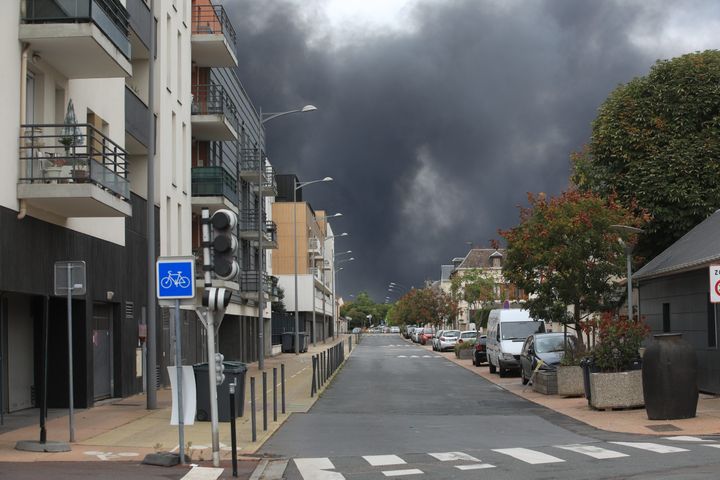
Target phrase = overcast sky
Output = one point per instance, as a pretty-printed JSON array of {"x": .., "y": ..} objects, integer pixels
[{"x": 435, "y": 117}]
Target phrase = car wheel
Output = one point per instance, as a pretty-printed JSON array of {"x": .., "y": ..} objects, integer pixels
[
  {"x": 522, "y": 376},
  {"x": 477, "y": 361},
  {"x": 491, "y": 366}
]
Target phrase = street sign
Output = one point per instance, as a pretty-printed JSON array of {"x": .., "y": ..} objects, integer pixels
[
  {"x": 175, "y": 277},
  {"x": 715, "y": 283},
  {"x": 75, "y": 280}
]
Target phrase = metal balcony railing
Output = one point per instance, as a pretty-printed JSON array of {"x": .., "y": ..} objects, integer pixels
[
  {"x": 212, "y": 19},
  {"x": 250, "y": 282},
  {"x": 109, "y": 15},
  {"x": 212, "y": 99},
  {"x": 79, "y": 153},
  {"x": 314, "y": 244},
  {"x": 250, "y": 161},
  {"x": 214, "y": 182}
]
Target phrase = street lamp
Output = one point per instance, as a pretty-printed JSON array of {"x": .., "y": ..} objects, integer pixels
[
  {"x": 334, "y": 305},
  {"x": 297, "y": 185},
  {"x": 314, "y": 334},
  {"x": 270, "y": 115},
  {"x": 628, "y": 252}
]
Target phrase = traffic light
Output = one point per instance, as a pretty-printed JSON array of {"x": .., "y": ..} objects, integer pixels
[
  {"x": 225, "y": 244},
  {"x": 219, "y": 368},
  {"x": 216, "y": 299}
]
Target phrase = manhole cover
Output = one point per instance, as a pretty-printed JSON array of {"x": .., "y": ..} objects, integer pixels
[{"x": 665, "y": 427}]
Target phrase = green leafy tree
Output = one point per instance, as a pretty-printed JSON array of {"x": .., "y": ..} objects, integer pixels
[
  {"x": 655, "y": 144},
  {"x": 361, "y": 307},
  {"x": 425, "y": 306},
  {"x": 474, "y": 286},
  {"x": 564, "y": 252}
]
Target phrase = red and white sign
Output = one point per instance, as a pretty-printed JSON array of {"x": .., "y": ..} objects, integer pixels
[{"x": 715, "y": 283}]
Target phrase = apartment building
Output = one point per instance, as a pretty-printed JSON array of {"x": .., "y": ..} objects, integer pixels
[
  {"x": 78, "y": 190},
  {"x": 315, "y": 261}
]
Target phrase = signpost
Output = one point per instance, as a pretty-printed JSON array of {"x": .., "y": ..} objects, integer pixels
[
  {"x": 715, "y": 283},
  {"x": 175, "y": 277},
  {"x": 69, "y": 281}
]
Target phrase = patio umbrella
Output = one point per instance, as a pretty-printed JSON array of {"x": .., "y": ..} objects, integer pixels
[{"x": 71, "y": 134}]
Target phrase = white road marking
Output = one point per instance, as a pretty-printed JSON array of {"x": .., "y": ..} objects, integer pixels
[
  {"x": 593, "y": 451},
  {"x": 402, "y": 356},
  {"x": 651, "y": 447},
  {"x": 382, "y": 460},
  {"x": 316, "y": 469},
  {"x": 528, "y": 456},
  {"x": 399, "y": 473},
  {"x": 414, "y": 356},
  {"x": 713, "y": 445},
  {"x": 685, "y": 438},
  {"x": 203, "y": 473},
  {"x": 452, "y": 456},
  {"x": 477, "y": 466}
]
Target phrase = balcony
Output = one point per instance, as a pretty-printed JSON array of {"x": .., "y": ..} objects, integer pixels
[
  {"x": 140, "y": 27},
  {"x": 214, "y": 116},
  {"x": 214, "y": 43},
  {"x": 249, "y": 229},
  {"x": 73, "y": 171},
  {"x": 250, "y": 285},
  {"x": 214, "y": 187},
  {"x": 251, "y": 163},
  {"x": 137, "y": 124},
  {"x": 315, "y": 247},
  {"x": 79, "y": 38}
]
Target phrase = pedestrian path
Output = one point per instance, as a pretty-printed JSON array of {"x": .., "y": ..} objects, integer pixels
[{"x": 432, "y": 464}]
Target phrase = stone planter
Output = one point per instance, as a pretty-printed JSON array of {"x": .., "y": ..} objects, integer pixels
[
  {"x": 545, "y": 382},
  {"x": 570, "y": 381},
  {"x": 616, "y": 390},
  {"x": 465, "y": 353}
]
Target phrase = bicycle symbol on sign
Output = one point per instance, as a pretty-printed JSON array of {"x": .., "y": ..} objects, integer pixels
[{"x": 175, "y": 279}]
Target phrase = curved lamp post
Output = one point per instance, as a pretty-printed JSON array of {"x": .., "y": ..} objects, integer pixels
[
  {"x": 266, "y": 117},
  {"x": 628, "y": 230}
]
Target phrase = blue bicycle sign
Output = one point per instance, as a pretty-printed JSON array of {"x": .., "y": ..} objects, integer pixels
[{"x": 175, "y": 277}]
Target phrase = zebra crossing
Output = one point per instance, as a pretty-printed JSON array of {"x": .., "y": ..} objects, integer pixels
[{"x": 416, "y": 465}]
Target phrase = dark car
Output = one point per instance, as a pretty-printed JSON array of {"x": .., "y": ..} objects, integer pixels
[
  {"x": 480, "y": 355},
  {"x": 547, "y": 348}
]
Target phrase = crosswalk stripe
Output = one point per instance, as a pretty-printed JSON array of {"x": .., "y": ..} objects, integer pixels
[
  {"x": 399, "y": 473},
  {"x": 382, "y": 460},
  {"x": 476, "y": 466},
  {"x": 316, "y": 469},
  {"x": 592, "y": 451},
  {"x": 203, "y": 473},
  {"x": 452, "y": 456},
  {"x": 651, "y": 447},
  {"x": 713, "y": 445},
  {"x": 528, "y": 456},
  {"x": 686, "y": 438}
]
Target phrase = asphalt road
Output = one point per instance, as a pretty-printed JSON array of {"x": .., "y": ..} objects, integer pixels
[{"x": 399, "y": 411}]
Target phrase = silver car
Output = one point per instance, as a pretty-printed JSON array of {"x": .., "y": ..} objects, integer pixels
[{"x": 448, "y": 339}]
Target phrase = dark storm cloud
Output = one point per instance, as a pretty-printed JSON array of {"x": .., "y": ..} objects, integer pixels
[{"x": 433, "y": 134}]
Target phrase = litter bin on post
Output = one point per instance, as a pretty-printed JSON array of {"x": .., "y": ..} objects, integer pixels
[{"x": 234, "y": 371}]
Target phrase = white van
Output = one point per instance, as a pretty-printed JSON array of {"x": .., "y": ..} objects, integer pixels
[{"x": 506, "y": 333}]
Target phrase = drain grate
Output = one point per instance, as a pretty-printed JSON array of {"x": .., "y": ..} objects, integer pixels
[{"x": 664, "y": 427}]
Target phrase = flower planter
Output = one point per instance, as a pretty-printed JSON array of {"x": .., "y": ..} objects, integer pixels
[
  {"x": 616, "y": 390},
  {"x": 570, "y": 381},
  {"x": 464, "y": 354},
  {"x": 545, "y": 382}
]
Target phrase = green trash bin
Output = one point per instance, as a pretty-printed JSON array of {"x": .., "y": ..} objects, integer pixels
[{"x": 234, "y": 371}]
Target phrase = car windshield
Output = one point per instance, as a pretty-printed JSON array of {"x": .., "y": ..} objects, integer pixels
[
  {"x": 520, "y": 330},
  {"x": 555, "y": 343},
  {"x": 451, "y": 333},
  {"x": 468, "y": 335}
]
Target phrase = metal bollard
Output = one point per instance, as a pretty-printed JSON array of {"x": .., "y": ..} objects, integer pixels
[
  {"x": 312, "y": 380},
  {"x": 282, "y": 385},
  {"x": 252, "y": 408},
  {"x": 274, "y": 394},
  {"x": 322, "y": 369},
  {"x": 264, "y": 396},
  {"x": 233, "y": 432},
  {"x": 350, "y": 343}
]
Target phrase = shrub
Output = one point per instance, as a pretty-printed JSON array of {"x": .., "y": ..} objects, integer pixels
[
  {"x": 463, "y": 346},
  {"x": 619, "y": 343}
]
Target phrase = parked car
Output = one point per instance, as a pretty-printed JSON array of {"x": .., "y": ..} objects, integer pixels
[
  {"x": 507, "y": 331},
  {"x": 436, "y": 339},
  {"x": 427, "y": 335},
  {"x": 448, "y": 339},
  {"x": 407, "y": 332},
  {"x": 394, "y": 329},
  {"x": 480, "y": 355},
  {"x": 415, "y": 337},
  {"x": 356, "y": 330},
  {"x": 467, "y": 336},
  {"x": 547, "y": 348}
]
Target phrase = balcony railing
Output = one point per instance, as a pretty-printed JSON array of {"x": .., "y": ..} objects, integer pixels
[
  {"x": 214, "y": 182},
  {"x": 212, "y": 19},
  {"x": 314, "y": 244},
  {"x": 212, "y": 99},
  {"x": 109, "y": 15},
  {"x": 250, "y": 282},
  {"x": 58, "y": 153}
]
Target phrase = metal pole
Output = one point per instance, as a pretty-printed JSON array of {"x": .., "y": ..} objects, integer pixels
[
  {"x": 334, "y": 279},
  {"x": 43, "y": 405},
  {"x": 629, "y": 282},
  {"x": 178, "y": 371},
  {"x": 233, "y": 428},
  {"x": 261, "y": 255},
  {"x": 70, "y": 355},
  {"x": 212, "y": 383},
  {"x": 151, "y": 330},
  {"x": 252, "y": 408},
  {"x": 314, "y": 326},
  {"x": 274, "y": 394},
  {"x": 264, "y": 397},
  {"x": 282, "y": 385},
  {"x": 297, "y": 313}
]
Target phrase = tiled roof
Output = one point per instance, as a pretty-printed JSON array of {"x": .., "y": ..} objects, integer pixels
[{"x": 480, "y": 257}]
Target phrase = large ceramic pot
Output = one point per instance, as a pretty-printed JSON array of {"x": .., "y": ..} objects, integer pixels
[{"x": 670, "y": 378}]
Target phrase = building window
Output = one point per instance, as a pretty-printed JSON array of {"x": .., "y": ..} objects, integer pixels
[
  {"x": 666, "y": 318},
  {"x": 712, "y": 324},
  {"x": 496, "y": 262}
]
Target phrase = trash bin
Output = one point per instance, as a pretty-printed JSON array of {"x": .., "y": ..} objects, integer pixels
[
  {"x": 303, "y": 339},
  {"x": 288, "y": 342},
  {"x": 234, "y": 371}
]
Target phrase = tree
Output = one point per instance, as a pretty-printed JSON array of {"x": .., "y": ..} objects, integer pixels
[
  {"x": 425, "y": 306},
  {"x": 564, "y": 252},
  {"x": 279, "y": 304},
  {"x": 361, "y": 307},
  {"x": 655, "y": 144},
  {"x": 474, "y": 286}
]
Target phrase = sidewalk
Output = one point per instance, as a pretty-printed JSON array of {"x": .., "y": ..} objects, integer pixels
[
  {"x": 707, "y": 421},
  {"x": 126, "y": 430}
]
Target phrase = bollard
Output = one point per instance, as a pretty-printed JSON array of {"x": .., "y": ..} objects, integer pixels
[
  {"x": 350, "y": 343},
  {"x": 264, "y": 385},
  {"x": 322, "y": 369},
  {"x": 252, "y": 408},
  {"x": 274, "y": 394},
  {"x": 233, "y": 432},
  {"x": 282, "y": 385}
]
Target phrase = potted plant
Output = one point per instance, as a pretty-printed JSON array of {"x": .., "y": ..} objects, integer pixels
[
  {"x": 570, "y": 374},
  {"x": 464, "y": 350},
  {"x": 618, "y": 383}
]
